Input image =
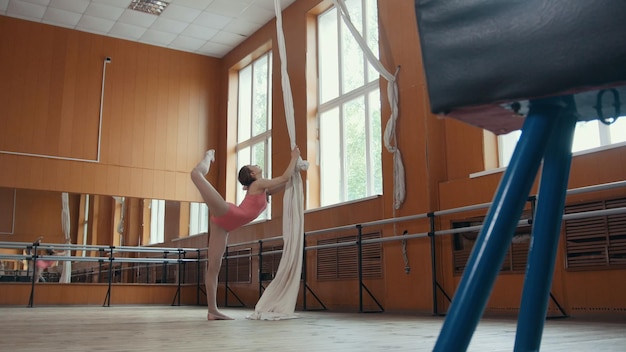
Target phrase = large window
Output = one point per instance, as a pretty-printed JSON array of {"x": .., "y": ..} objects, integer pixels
[
  {"x": 254, "y": 123},
  {"x": 198, "y": 218},
  {"x": 588, "y": 135},
  {"x": 349, "y": 106},
  {"x": 157, "y": 221}
]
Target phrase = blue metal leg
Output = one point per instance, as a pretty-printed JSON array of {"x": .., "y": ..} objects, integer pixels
[
  {"x": 495, "y": 237},
  {"x": 546, "y": 231}
]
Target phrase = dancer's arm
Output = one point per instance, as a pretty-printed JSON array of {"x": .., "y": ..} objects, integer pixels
[
  {"x": 277, "y": 183},
  {"x": 295, "y": 154},
  {"x": 276, "y": 189}
]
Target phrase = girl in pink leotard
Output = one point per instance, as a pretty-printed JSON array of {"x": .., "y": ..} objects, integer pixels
[
  {"x": 237, "y": 216},
  {"x": 226, "y": 217},
  {"x": 43, "y": 264}
]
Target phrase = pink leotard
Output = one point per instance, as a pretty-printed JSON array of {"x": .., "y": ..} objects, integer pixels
[
  {"x": 43, "y": 264},
  {"x": 237, "y": 216}
]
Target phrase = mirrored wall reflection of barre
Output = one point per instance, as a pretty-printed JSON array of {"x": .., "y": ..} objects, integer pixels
[
  {"x": 28, "y": 216},
  {"x": 44, "y": 262}
]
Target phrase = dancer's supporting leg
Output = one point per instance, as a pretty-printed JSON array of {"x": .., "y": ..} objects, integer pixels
[
  {"x": 217, "y": 246},
  {"x": 217, "y": 238},
  {"x": 39, "y": 273}
]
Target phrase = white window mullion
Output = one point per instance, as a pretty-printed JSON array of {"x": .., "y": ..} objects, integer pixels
[
  {"x": 368, "y": 149},
  {"x": 366, "y": 101},
  {"x": 340, "y": 53},
  {"x": 364, "y": 35},
  {"x": 254, "y": 140},
  {"x": 349, "y": 96},
  {"x": 268, "y": 154},
  {"x": 268, "y": 82},
  {"x": 343, "y": 177},
  {"x": 252, "y": 107}
]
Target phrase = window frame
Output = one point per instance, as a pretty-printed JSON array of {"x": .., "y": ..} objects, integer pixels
[
  {"x": 263, "y": 138},
  {"x": 607, "y": 136},
  {"x": 198, "y": 218},
  {"x": 369, "y": 91},
  {"x": 157, "y": 221}
]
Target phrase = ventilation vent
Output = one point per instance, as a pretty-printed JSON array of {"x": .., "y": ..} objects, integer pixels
[
  {"x": 600, "y": 309},
  {"x": 597, "y": 242},
  {"x": 237, "y": 269},
  {"x": 341, "y": 262},
  {"x": 270, "y": 262},
  {"x": 516, "y": 256},
  {"x": 153, "y": 7}
]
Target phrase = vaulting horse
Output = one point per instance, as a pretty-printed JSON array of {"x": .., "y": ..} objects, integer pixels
[{"x": 502, "y": 64}]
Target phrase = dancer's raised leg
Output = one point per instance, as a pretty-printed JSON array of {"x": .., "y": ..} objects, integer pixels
[
  {"x": 216, "y": 203},
  {"x": 217, "y": 246}
]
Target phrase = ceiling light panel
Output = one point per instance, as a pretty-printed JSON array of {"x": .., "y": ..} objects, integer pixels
[{"x": 153, "y": 7}]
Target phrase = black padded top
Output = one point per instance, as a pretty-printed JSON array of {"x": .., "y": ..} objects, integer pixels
[{"x": 479, "y": 53}]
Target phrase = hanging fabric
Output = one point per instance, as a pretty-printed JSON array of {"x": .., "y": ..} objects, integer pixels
[
  {"x": 399, "y": 188},
  {"x": 66, "y": 271},
  {"x": 392, "y": 95},
  {"x": 278, "y": 301}
]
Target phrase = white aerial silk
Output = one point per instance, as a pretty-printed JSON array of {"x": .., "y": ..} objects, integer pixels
[
  {"x": 279, "y": 298},
  {"x": 66, "y": 271},
  {"x": 278, "y": 301},
  {"x": 399, "y": 188},
  {"x": 399, "y": 191}
]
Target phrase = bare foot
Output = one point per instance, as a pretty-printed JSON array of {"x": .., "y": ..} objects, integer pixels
[{"x": 217, "y": 316}]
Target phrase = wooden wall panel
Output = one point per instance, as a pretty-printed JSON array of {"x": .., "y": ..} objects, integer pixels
[
  {"x": 420, "y": 134},
  {"x": 15, "y": 294},
  {"x": 573, "y": 289},
  {"x": 183, "y": 228},
  {"x": 7, "y": 210},
  {"x": 464, "y": 149},
  {"x": 94, "y": 294},
  {"x": 51, "y": 85},
  {"x": 200, "y": 241},
  {"x": 172, "y": 221},
  {"x": 593, "y": 293},
  {"x": 37, "y": 214}
]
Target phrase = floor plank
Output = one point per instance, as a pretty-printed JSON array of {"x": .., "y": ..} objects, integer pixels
[{"x": 163, "y": 328}]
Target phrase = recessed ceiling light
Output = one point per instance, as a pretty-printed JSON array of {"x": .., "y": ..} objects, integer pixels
[{"x": 153, "y": 7}]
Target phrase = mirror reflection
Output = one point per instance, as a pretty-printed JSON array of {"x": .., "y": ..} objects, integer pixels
[{"x": 34, "y": 220}]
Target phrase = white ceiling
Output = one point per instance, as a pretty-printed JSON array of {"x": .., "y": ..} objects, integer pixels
[{"x": 206, "y": 27}]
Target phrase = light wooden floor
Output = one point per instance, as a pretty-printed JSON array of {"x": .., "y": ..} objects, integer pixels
[{"x": 159, "y": 328}]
